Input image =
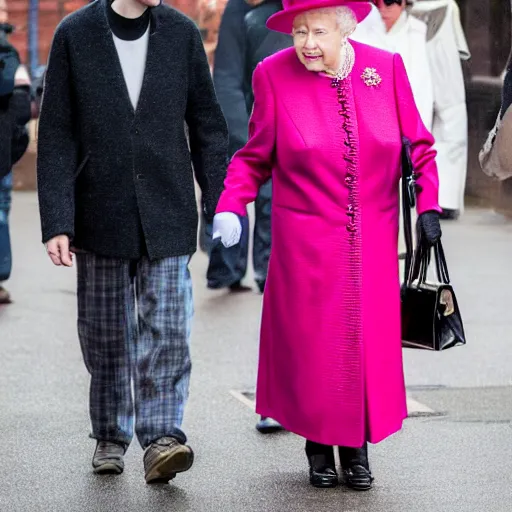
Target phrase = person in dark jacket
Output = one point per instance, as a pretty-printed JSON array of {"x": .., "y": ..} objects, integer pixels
[
  {"x": 244, "y": 41},
  {"x": 14, "y": 139},
  {"x": 116, "y": 187}
]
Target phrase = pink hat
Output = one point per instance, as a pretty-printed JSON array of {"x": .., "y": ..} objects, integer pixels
[{"x": 282, "y": 21}]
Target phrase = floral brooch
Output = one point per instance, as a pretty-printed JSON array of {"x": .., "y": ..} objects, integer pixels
[{"x": 371, "y": 78}]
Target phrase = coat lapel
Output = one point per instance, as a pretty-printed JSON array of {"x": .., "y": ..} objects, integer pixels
[
  {"x": 156, "y": 73},
  {"x": 108, "y": 67}
]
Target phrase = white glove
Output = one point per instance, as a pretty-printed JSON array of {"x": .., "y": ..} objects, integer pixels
[{"x": 227, "y": 227}]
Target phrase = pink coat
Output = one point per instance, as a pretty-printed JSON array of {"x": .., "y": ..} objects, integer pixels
[{"x": 330, "y": 364}]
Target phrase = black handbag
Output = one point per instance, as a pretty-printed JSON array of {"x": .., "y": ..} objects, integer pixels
[{"x": 430, "y": 313}]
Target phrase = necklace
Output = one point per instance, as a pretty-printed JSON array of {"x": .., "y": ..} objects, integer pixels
[{"x": 347, "y": 62}]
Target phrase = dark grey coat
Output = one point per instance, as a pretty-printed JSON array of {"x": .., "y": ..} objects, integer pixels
[{"x": 118, "y": 181}]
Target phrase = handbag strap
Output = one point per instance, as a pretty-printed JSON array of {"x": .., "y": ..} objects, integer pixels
[
  {"x": 408, "y": 202},
  {"x": 441, "y": 266}
]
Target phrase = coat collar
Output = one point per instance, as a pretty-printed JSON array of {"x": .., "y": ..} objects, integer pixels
[{"x": 101, "y": 15}]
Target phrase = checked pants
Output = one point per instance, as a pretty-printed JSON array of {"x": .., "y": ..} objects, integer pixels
[{"x": 134, "y": 323}]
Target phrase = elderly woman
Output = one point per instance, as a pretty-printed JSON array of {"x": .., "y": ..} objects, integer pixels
[{"x": 327, "y": 125}]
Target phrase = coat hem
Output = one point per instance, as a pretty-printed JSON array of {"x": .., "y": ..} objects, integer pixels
[{"x": 397, "y": 427}]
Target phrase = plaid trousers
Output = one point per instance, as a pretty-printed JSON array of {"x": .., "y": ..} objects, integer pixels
[{"x": 134, "y": 323}]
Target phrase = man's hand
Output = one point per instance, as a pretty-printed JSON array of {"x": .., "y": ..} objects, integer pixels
[
  {"x": 22, "y": 77},
  {"x": 58, "y": 250}
]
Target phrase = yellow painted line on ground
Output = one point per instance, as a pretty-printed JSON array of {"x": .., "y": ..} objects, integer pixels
[
  {"x": 416, "y": 408},
  {"x": 242, "y": 398}
]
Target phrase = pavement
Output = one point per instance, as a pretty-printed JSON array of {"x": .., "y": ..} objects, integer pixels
[{"x": 454, "y": 453}]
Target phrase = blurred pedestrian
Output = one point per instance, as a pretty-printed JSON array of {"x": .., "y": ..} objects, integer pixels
[
  {"x": 244, "y": 41},
  {"x": 116, "y": 187},
  {"x": 14, "y": 139},
  {"x": 447, "y": 48},
  {"x": 496, "y": 155},
  {"x": 429, "y": 37},
  {"x": 328, "y": 123}
]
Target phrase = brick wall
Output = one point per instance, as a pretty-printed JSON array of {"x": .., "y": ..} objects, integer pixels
[
  {"x": 207, "y": 14},
  {"x": 50, "y": 13}
]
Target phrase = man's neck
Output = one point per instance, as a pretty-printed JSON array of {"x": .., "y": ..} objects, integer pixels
[{"x": 129, "y": 8}]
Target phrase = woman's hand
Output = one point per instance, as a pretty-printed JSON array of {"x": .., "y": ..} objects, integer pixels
[
  {"x": 430, "y": 227},
  {"x": 227, "y": 227}
]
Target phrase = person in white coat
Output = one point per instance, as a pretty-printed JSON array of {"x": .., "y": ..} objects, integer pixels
[
  {"x": 447, "y": 46},
  {"x": 429, "y": 37}
]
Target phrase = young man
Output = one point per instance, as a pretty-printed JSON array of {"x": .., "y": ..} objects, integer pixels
[{"x": 116, "y": 187}]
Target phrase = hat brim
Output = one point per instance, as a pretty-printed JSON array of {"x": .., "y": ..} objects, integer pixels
[{"x": 282, "y": 21}]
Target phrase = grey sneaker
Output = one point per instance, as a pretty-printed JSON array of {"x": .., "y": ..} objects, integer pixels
[
  {"x": 165, "y": 458},
  {"x": 108, "y": 458}
]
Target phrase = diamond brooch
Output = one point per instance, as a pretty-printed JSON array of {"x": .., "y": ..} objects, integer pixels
[{"x": 371, "y": 78}]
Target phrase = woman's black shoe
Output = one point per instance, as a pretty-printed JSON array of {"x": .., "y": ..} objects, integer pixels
[
  {"x": 322, "y": 468},
  {"x": 358, "y": 478},
  {"x": 356, "y": 469}
]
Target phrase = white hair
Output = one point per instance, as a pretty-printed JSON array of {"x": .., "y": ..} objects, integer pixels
[{"x": 345, "y": 18}]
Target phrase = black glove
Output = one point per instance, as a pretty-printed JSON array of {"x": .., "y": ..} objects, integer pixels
[{"x": 430, "y": 227}]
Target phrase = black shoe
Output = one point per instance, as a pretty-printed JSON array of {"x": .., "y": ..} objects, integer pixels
[
  {"x": 5, "y": 297},
  {"x": 448, "y": 214},
  {"x": 356, "y": 469},
  {"x": 268, "y": 426},
  {"x": 358, "y": 478},
  {"x": 322, "y": 468},
  {"x": 238, "y": 287},
  {"x": 261, "y": 285}
]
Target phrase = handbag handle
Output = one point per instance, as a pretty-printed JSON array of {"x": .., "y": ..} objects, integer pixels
[{"x": 421, "y": 262}]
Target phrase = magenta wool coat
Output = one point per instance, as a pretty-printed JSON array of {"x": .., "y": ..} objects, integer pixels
[{"x": 330, "y": 365}]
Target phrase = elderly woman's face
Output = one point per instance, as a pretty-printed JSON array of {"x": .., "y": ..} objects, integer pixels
[{"x": 317, "y": 39}]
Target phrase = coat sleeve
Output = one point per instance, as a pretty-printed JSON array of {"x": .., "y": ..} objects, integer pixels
[
  {"x": 252, "y": 165},
  {"x": 20, "y": 105},
  {"x": 207, "y": 128},
  {"x": 229, "y": 71},
  {"x": 21, "y": 113},
  {"x": 56, "y": 148},
  {"x": 422, "y": 153}
]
